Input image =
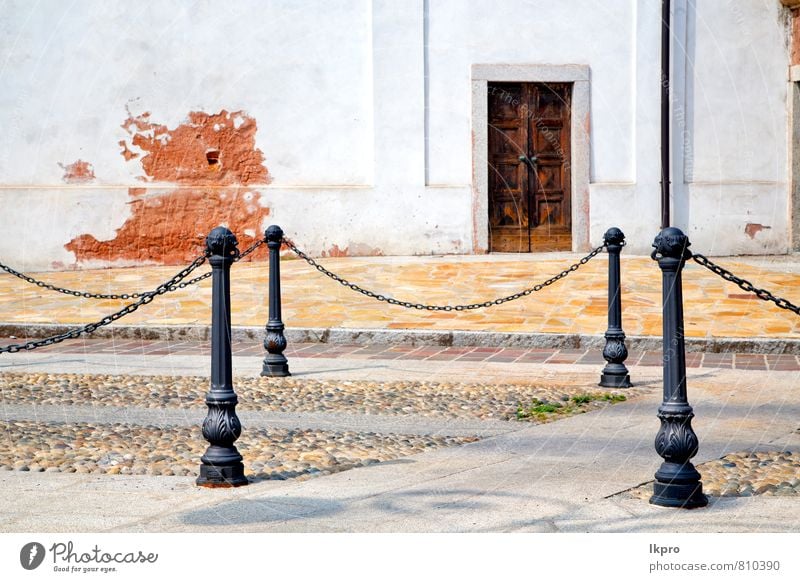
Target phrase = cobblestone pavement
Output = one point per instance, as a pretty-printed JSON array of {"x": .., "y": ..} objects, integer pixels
[
  {"x": 123, "y": 347},
  {"x": 577, "y": 304},
  {"x": 127, "y": 449},
  {"x": 744, "y": 474},
  {"x": 28, "y": 444},
  {"x": 167, "y": 449},
  {"x": 431, "y": 399}
]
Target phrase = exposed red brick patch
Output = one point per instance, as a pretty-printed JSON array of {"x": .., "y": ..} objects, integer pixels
[
  {"x": 210, "y": 156},
  {"x": 795, "y": 42},
  {"x": 335, "y": 252},
  {"x": 752, "y": 229},
  {"x": 171, "y": 228},
  {"x": 208, "y": 149},
  {"x": 78, "y": 172},
  {"x": 126, "y": 153}
]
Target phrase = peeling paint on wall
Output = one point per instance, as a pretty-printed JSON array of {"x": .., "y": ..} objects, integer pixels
[
  {"x": 126, "y": 153},
  {"x": 212, "y": 158},
  {"x": 353, "y": 249},
  {"x": 752, "y": 229},
  {"x": 171, "y": 228},
  {"x": 78, "y": 172},
  {"x": 208, "y": 149}
]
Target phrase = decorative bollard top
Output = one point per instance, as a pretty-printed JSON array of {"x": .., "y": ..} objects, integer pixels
[
  {"x": 671, "y": 243},
  {"x": 614, "y": 236},
  {"x": 273, "y": 234},
  {"x": 222, "y": 242}
]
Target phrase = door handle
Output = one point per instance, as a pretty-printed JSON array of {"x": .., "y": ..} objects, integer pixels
[{"x": 531, "y": 160}]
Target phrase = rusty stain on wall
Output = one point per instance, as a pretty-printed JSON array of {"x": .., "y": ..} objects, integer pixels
[
  {"x": 78, "y": 172},
  {"x": 752, "y": 229},
  {"x": 212, "y": 159}
]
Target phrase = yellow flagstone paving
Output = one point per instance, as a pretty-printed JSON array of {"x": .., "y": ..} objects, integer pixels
[{"x": 576, "y": 304}]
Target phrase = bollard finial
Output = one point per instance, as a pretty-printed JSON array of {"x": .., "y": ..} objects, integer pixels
[
  {"x": 273, "y": 234},
  {"x": 614, "y": 236},
  {"x": 222, "y": 242},
  {"x": 671, "y": 243}
]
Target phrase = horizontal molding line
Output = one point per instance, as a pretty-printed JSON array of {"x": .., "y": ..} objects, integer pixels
[
  {"x": 737, "y": 183},
  {"x": 412, "y": 337},
  {"x": 172, "y": 186}
]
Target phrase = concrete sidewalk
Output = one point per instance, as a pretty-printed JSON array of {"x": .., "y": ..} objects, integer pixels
[{"x": 569, "y": 475}]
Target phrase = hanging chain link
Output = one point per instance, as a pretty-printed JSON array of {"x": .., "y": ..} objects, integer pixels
[
  {"x": 144, "y": 299},
  {"x": 422, "y": 306},
  {"x": 744, "y": 284},
  {"x": 123, "y": 296}
]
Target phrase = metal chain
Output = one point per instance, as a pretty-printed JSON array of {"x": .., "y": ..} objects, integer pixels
[
  {"x": 123, "y": 296},
  {"x": 744, "y": 284},
  {"x": 422, "y": 306},
  {"x": 250, "y": 249},
  {"x": 145, "y": 298}
]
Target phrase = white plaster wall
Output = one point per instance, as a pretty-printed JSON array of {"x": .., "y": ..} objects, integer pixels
[
  {"x": 586, "y": 32},
  {"x": 634, "y": 204},
  {"x": 339, "y": 92},
  {"x": 303, "y": 70},
  {"x": 736, "y": 155}
]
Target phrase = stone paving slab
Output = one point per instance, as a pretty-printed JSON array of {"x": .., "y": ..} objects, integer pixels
[
  {"x": 455, "y": 354},
  {"x": 574, "y": 305}
]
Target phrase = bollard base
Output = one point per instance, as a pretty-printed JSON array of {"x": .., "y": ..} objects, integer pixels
[
  {"x": 275, "y": 370},
  {"x": 685, "y": 495},
  {"x": 215, "y": 476},
  {"x": 615, "y": 381}
]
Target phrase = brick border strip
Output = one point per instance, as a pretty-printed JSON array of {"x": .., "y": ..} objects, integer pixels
[{"x": 413, "y": 337}]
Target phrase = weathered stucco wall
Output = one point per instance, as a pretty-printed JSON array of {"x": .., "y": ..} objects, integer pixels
[{"x": 131, "y": 129}]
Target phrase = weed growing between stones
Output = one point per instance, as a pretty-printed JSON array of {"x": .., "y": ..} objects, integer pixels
[{"x": 544, "y": 411}]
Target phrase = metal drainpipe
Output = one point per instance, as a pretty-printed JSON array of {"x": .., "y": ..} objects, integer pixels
[{"x": 665, "y": 112}]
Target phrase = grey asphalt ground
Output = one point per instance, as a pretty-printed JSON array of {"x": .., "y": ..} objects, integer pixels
[{"x": 571, "y": 475}]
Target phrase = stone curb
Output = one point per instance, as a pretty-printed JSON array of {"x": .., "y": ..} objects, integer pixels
[{"x": 413, "y": 337}]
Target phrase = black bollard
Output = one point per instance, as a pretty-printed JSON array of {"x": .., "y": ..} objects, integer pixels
[
  {"x": 275, "y": 363},
  {"x": 677, "y": 481},
  {"x": 221, "y": 466},
  {"x": 615, "y": 374}
]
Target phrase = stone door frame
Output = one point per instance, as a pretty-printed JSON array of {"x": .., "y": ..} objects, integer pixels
[{"x": 578, "y": 75}]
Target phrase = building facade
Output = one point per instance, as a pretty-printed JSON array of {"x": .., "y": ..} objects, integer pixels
[{"x": 378, "y": 127}]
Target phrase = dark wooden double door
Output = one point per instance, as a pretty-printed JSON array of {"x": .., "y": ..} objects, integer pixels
[{"x": 529, "y": 167}]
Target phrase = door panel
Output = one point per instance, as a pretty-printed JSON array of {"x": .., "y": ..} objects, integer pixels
[
  {"x": 508, "y": 176},
  {"x": 529, "y": 160}
]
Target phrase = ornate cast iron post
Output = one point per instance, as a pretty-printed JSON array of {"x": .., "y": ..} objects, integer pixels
[
  {"x": 275, "y": 363},
  {"x": 615, "y": 374},
  {"x": 221, "y": 465},
  {"x": 677, "y": 481}
]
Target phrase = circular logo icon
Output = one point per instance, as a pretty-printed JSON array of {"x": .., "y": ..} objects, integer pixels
[{"x": 31, "y": 555}]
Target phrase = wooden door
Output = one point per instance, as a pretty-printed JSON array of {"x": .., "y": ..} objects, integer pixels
[{"x": 529, "y": 167}]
